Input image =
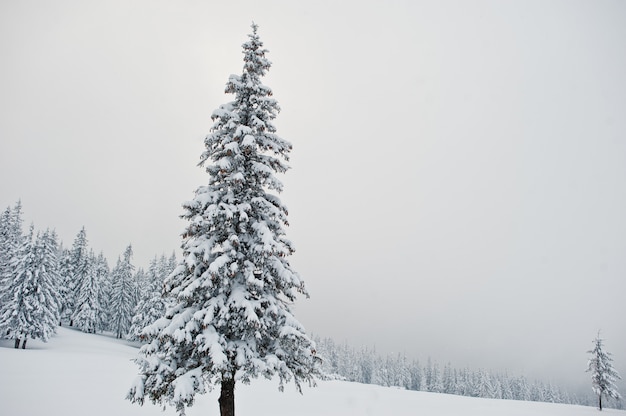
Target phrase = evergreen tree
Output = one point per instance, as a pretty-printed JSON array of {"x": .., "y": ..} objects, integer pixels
[
  {"x": 32, "y": 308},
  {"x": 448, "y": 379},
  {"x": 415, "y": 374},
  {"x": 505, "y": 386},
  {"x": 11, "y": 239},
  {"x": 428, "y": 376},
  {"x": 152, "y": 305},
  {"x": 103, "y": 277},
  {"x": 14, "y": 321},
  {"x": 6, "y": 253},
  {"x": 436, "y": 380},
  {"x": 171, "y": 263},
  {"x": 87, "y": 313},
  {"x": 6, "y": 240},
  {"x": 231, "y": 319},
  {"x": 123, "y": 294},
  {"x": 603, "y": 375},
  {"x": 66, "y": 291},
  {"x": 141, "y": 283},
  {"x": 75, "y": 270},
  {"x": 367, "y": 366},
  {"x": 49, "y": 281}
]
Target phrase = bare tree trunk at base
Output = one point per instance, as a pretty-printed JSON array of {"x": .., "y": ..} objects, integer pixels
[
  {"x": 600, "y": 402},
  {"x": 17, "y": 342},
  {"x": 24, "y": 343},
  {"x": 227, "y": 398}
]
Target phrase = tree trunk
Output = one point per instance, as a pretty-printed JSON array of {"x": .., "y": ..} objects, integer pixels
[
  {"x": 227, "y": 398},
  {"x": 17, "y": 342},
  {"x": 600, "y": 402},
  {"x": 24, "y": 343}
]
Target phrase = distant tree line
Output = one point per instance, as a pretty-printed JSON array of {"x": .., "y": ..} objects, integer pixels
[
  {"x": 43, "y": 284},
  {"x": 365, "y": 365}
]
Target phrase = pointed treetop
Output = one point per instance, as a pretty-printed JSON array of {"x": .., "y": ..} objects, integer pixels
[
  {"x": 128, "y": 252},
  {"x": 255, "y": 63}
]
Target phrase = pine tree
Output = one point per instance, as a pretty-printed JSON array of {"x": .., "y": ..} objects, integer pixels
[
  {"x": 32, "y": 308},
  {"x": 86, "y": 316},
  {"x": 14, "y": 321},
  {"x": 231, "y": 319},
  {"x": 74, "y": 270},
  {"x": 141, "y": 280},
  {"x": 603, "y": 375},
  {"x": 6, "y": 253},
  {"x": 6, "y": 241},
  {"x": 103, "y": 277},
  {"x": 448, "y": 380},
  {"x": 415, "y": 374},
  {"x": 66, "y": 290},
  {"x": 11, "y": 239},
  {"x": 49, "y": 282},
  {"x": 101, "y": 272},
  {"x": 152, "y": 304},
  {"x": 123, "y": 294}
]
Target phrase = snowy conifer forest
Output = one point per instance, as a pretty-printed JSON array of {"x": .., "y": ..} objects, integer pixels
[{"x": 45, "y": 284}]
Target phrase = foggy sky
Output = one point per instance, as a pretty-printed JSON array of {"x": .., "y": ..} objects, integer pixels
[{"x": 457, "y": 183}]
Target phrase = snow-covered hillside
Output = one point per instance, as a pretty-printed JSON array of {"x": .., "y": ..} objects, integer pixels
[{"x": 76, "y": 374}]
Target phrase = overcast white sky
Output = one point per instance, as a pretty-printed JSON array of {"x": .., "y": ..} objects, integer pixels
[{"x": 457, "y": 184}]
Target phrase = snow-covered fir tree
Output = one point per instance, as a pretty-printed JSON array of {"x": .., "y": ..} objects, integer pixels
[
  {"x": 49, "y": 281},
  {"x": 123, "y": 294},
  {"x": 231, "y": 319},
  {"x": 603, "y": 375},
  {"x": 10, "y": 240},
  {"x": 14, "y": 318},
  {"x": 66, "y": 290},
  {"x": 5, "y": 239},
  {"x": 142, "y": 283},
  {"x": 152, "y": 304},
  {"x": 102, "y": 276},
  {"x": 87, "y": 312},
  {"x": 73, "y": 270},
  {"x": 5, "y": 257},
  {"x": 32, "y": 304}
]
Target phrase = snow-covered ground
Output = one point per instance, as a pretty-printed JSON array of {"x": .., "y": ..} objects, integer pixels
[{"x": 77, "y": 374}]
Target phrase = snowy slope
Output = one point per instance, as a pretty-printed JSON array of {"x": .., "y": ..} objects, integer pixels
[{"x": 77, "y": 374}]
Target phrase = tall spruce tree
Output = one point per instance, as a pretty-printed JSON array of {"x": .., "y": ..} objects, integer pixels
[
  {"x": 66, "y": 291},
  {"x": 18, "y": 285},
  {"x": 49, "y": 282},
  {"x": 603, "y": 375},
  {"x": 74, "y": 271},
  {"x": 6, "y": 241},
  {"x": 231, "y": 318},
  {"x": 103, "y": 277},
  {"x": 6, "y": 253},
  {"x": 32, "y": 307},
  {"x": 86, "y": 316},
  {"x": 11, "y": 239},
  {"x": 123, "y": 294},
  {"x": 152, "y": 305}
]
